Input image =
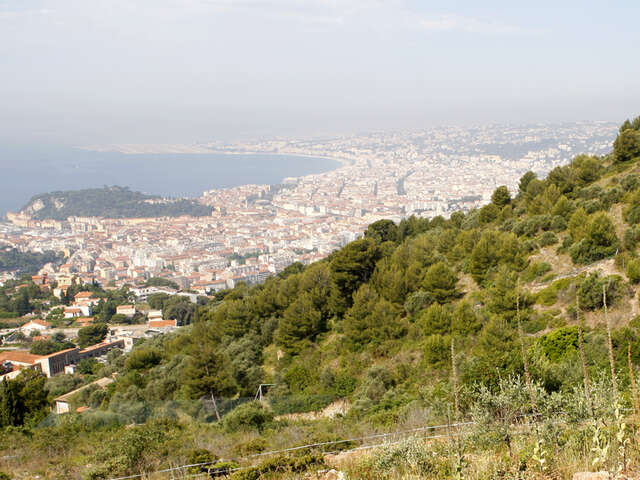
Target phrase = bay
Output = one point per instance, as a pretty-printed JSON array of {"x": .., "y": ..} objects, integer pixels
[{"x": 28, "y": 171}]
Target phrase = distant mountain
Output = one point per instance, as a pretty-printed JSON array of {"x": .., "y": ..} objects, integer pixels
[{"x": 109, "y": 202}]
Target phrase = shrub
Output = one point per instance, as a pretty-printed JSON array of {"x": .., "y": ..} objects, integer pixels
[
  {"x": 630, "y": 182},
  {"x": 632, "y": 215},
  {"x": 529, "y": 246},
  {"x": 417, "y": 301},
  {"x": 200, "y": 456},
  {"x": 250, "y": 447},
  {"x": 279, "y": 464},
  {"x": 631, "y": 238},
  {"x": 557, "y": 344},
  {"x": 547, "y": 238},
  {"x": 592, "y": 206},
  {"x": 600, "y": 241},
  {"x": 248, "y": 416},
  {"x": 558, "y": 223},
  {"x": 143, "y": 358},
  {"x": 535, "y": 270},
  {"x": 437, "y": 348},
  {"x": 410, "y": 457},
  {"x": 435, "y": 319},
  {"x": 590, "y": 291},
  {"x": 633, "y": 270}
]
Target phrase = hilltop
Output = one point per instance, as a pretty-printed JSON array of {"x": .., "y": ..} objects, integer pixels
[
  {"x": 418, "y": 323},
  {"x": 109, "y": 202}
]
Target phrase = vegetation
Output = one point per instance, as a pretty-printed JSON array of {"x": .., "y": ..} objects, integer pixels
[
  {"x": 109, "y": 202},
  {"x": 26, "y": 262},
  {"x": 516, "y": 317},
  {"x": 92, "y": 334}
]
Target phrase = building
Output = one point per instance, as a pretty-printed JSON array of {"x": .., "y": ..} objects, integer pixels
[
  {"x": 63, "y": 402},
  {"x": 127, "y": 310},
  {"x": 159, "y": 323},
  {"x": 54, "y": 363},
  {"x": 36, "y": 325},
  {"x": 15, "y": 360}
]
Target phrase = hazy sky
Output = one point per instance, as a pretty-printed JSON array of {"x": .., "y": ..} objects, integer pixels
[{"x": 88, "y": 71}]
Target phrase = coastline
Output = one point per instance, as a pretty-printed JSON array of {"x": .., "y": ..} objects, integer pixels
[
  {"x": 345, "y": 162},
  {"x": 79, "y": 171}
]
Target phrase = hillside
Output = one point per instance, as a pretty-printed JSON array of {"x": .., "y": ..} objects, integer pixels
[
  {"x": 108, "y": 202},
  {"x": 25, "y": 262},
  {"x": 520, "y": 318}
]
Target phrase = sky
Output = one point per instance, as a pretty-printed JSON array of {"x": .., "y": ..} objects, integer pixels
[{"x": 77, "y": 72}]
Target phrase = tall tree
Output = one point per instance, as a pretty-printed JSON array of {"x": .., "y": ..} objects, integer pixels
[
  {"x": 350, "y": 268},
  {"x": 208, "y": 372},
  {"x": 300, "y": 324},
  {"x": 440, "y": 282}
]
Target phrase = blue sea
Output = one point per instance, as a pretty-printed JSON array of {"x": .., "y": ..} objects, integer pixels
[{"x": 25, "y": 172}]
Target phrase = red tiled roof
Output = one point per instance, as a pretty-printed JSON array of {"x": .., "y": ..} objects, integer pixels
[{"x": 21, "y": 356}]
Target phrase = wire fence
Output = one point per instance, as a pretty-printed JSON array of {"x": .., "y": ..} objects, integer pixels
[{"x": 454, "y": 430}]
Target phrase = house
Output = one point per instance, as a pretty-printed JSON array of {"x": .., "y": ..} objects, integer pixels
[
  {"x": 36, "y": 325},
  {"x": 13, "y": 361},
  {"x": 154, "y": 315},
  {"x": 63, "y": 401},
  {"x": 159, "y": 323},
  {"x": 84, "y": 321},
  {"x": 73, "y": 312},
  {"x": 127, "y": 310},
  {"x": 85, "y": 298},
  {"x": 40, "y": 280}
]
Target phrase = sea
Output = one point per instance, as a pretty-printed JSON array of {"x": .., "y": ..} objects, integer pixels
[{"x": 29, "y": 171}]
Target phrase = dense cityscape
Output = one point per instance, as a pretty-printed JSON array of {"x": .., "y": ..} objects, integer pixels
[{"x": 258, "y": 230}]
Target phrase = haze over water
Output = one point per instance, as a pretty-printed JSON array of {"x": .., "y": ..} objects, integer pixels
[{"x": 39, "y": 170}]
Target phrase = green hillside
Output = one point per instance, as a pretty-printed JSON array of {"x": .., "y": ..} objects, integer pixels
[
  {"x": 109, "y": 202},
  {"x": 423, "y": 323}
]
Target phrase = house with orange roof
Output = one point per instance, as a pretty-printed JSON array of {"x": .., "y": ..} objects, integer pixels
[
  {"x": 12, "y": 362},
  {"x": 159, "y": 323},
  {"x": 84, "y": 321}
]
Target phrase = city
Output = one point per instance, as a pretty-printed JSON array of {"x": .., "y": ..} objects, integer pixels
[{"x": 258, "y": 230}]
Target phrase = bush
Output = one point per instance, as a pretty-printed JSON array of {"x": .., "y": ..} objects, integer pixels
[
  {"x": 437, "y": 348},
  {"x": 417, "y": 301},
  {"x": 92, "y": 334},
  {"x": 592, "y": 206},
  {"x": 279, "y": 464},
  {"x": 248, "y": 416},
  {"x": 558, "y": 223},
  {"x": 632, "y": 215},
  {"x": 412, "y": 459},
  {"x": 143, "y": 358},
  {"x": 549, "y": 295},
  {"x": 631, "y": 238},
  {"x": 535, "y": 270},
  {"x": 547, "y": 238},
  {"x": 250, "y": 447},
  {"x": 199, "y": 456},
  {"x": 630, "y": 182},
  {"x": 557, "y": 344},
  {"x": 590, "y": 291},
  {"x": 633, "y": 270}
]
